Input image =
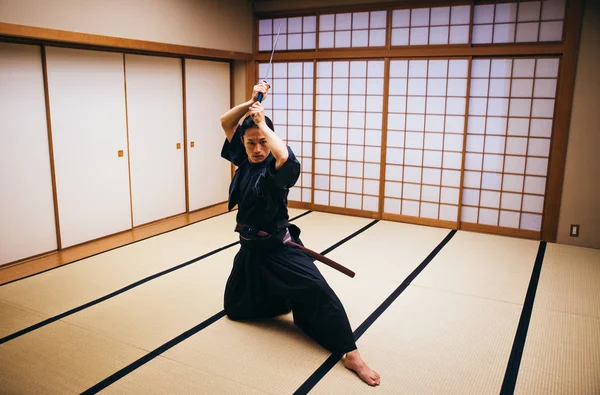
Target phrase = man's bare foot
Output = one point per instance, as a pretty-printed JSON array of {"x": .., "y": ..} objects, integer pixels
[{"x": 354, "y": 362}]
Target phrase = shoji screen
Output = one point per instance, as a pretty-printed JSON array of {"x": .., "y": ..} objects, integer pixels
[
  {"x": 207, "y": 92},
  {"x": 87, "y": 107},
  {"x": 348, "y": 134},
  {"x": 290, "y": 107},
  {"x": 426, "y": 118},
  {"x": 155, "y": 118},
  {"x": 511, "y": 113},
  {"x": 27, "y": 224}
]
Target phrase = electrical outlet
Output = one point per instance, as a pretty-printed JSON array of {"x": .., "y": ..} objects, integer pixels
[{"x": 574, "y": 230}]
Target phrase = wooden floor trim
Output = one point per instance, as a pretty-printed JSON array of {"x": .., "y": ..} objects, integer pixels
[{"x": 51, "y": 260}]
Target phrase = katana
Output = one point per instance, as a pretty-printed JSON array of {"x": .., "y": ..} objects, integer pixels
[{"x": 260, "y": 95}]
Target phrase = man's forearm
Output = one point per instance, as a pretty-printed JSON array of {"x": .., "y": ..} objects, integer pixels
[
  {"x": 230, "y": 119},
  {"x": 275, "y": 143}
]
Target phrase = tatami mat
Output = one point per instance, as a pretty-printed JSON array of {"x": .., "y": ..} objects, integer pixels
[
  {"x": 67, "y": 287},
  {"x": 16, "y": 317},
  {"x": 171, "y": 377},
  {"x": 561, "y": 355},
  {"x": 570, "y": 281},
  {"x": 147, "y": 316},
  {"x": 482, "y": 265},
  {"x": 60, "y": 359},
  {"x": 158, "y": 311},
  {"x": 433, "y": 342},
  {"x": 274, "y": 356}
]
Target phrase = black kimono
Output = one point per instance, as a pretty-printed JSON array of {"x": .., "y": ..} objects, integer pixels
[{"x": 269, "y": 278}]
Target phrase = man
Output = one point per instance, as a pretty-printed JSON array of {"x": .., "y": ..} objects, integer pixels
[{"x": 269, "y": 278}]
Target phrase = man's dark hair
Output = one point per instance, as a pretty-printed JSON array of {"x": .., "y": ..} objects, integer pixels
[{"x": 248, "y": 123}]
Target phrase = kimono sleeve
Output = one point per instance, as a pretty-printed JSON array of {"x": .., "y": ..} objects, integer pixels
[
  {"x": 234, "y": 151},
  {"x": 288, "y": 174}
]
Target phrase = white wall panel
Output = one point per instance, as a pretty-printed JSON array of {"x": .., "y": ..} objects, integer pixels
[
  {"x": 27, "y": 224},
  {"x": 207, "y": 98},
  {"x": 87, "y": 107},
  {"x": 155, "y": 114}
]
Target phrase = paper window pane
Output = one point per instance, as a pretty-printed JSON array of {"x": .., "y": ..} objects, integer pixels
[
  {"x": 520, "y": 107},
  {"x": 458, "y": 68},
  {"x": 372, "y": 154},
  {"x": 338, "y": 184},
  {"x": 419, "y": 35},
  {"x": 491, "y": 181},
  {"x": 475, "y": 143},
  {"x": 490, "y": 199},
  {"x": 340, "y": 86},
  {"x": 391, "y": 206},
  {"x": 395, "y": 139},
  {"x": 529, "y": 11},
  {"x": 343, "y": 21},
  {"x": 501, "y": 68},
  {"x": 496, "y": 126},
  {"x": 461, "y": 15},
  {"x": 265, "y": 43},
  {"x": 511, "y": 201},
  {"x": 419, "y": 17},
  {"x": 360, "y": 20},
  {"x": 393, "y": 172},
  {"x": 337, "y": 199},
  {"x": 355, "y": 169},
  {"x": 338, "y": 168},
  {"x": 499, "y": 87},
  {"x": 506, "y": 13},
  {"x": 416, "y": 105},
  {"x": 553, "y": 9},
  {"x": 378, "y": 19},
  {"x": 476, "y": 125},
  {"x": 451, "y": 178},
  {"x": 265, "y": 26},
  {"x": 459, "y": 34},
  {"x": 531, "y": 222},
  {"x": 433, "y": 141},
  {"x": 480, "y": 68},
  {"x": 535, "y": 185},
  {"x": 483, "y": 14},
  {"x": 547, "y": 68},
  {"x": 545, "y": 88},
  {"x": 536, "y": 166},
  {"x": 353, "y": 201},
  {"x": 354, "y": 185},
  {"x": 400, "y": 18},
  {"x": 482, "y": 34},
  {"x": 493, "y": 162},
  {"x": 413, "y": 157},
  {"x": 448, "y": 213},
  {"x": 452, "y": 160},
  {"x": 410, "y": 208},
  {"x": 440, "y": 16},
  {"x": 471, "y": 197},
  {"x": 504, "y": 33},
  {"x": 516, "y": 146},
  {"x": 397, "y": 104},
  {"x": 455, "y": 124},
  {"x": 415, "y": 122},
  {"x": 400, "y": 36},
  {"x": 457, "y": 87},
  {"x": 377, "y": 38},
  {"x": 542, "y": 108},
  {"x": 370, "y": 203},
  {"x": 527, "y": 32},
  {"x": 469, "y": 214},
  {"x": 509, "y": 219},
  {"x": 488, "y": 217},
  {"x": 477, "y": 106},
  {"x": 497, "y": 107},
  {"x": 453, "y": 142},
  {"x": 393, "y": 189},
  {"x": 414, "y": 140},
  {"x": 551, "y": 31},
  {"x": 538, "y": 147},
  {"x": 533, "y": 204},
  {"x": 522, "y": 88},
  {"x": 342, "y": 39},
  {"x": 479, "y": 87},
  {"x": 434, "y": 123},
  {"x": 512, "y": 183},
  {"x": 472, "y": 179},
  {"x": 523, "y": 68},
  {"x": 429, "y": 210},
  {"x": 449, "y": 195},
  {"x": 431, "y": 159},
  {"x": 310, "y": 24},
  {"x": 432, "y": 176},
  {"x": 514, "y": 164},
  {"x": 439, "y": 35},
  {"x": 360, "y": 38},
  {"x": 541, "y": 128},
  {"x": 436, "y": 87}
]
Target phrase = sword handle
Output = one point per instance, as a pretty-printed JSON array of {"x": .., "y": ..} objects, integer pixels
[{"x": 260, "y": 97}]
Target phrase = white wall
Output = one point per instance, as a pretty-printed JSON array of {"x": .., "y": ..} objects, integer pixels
[{"x": 217, "y": 24}]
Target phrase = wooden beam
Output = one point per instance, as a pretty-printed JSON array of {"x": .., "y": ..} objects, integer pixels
[
  {"x": 41, "y": 35},
  {"x": 562, "y": 119},
  {"x": 420, "y": 52}
]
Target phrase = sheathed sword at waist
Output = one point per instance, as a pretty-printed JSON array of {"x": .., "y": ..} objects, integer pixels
[{"x": 287, "y": 240}]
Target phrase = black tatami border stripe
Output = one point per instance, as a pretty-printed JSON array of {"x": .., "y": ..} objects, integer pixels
[
  {"x": 122, "y": 290},
  {"x": 172, "y": 343},
  {"x": 112, "y": 249},
  {"x": 334, "y": 358},
  {"x": 514, "y": 362}
]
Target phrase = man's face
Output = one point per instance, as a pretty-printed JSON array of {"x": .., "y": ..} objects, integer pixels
[{"x": 256, "y": 145}]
